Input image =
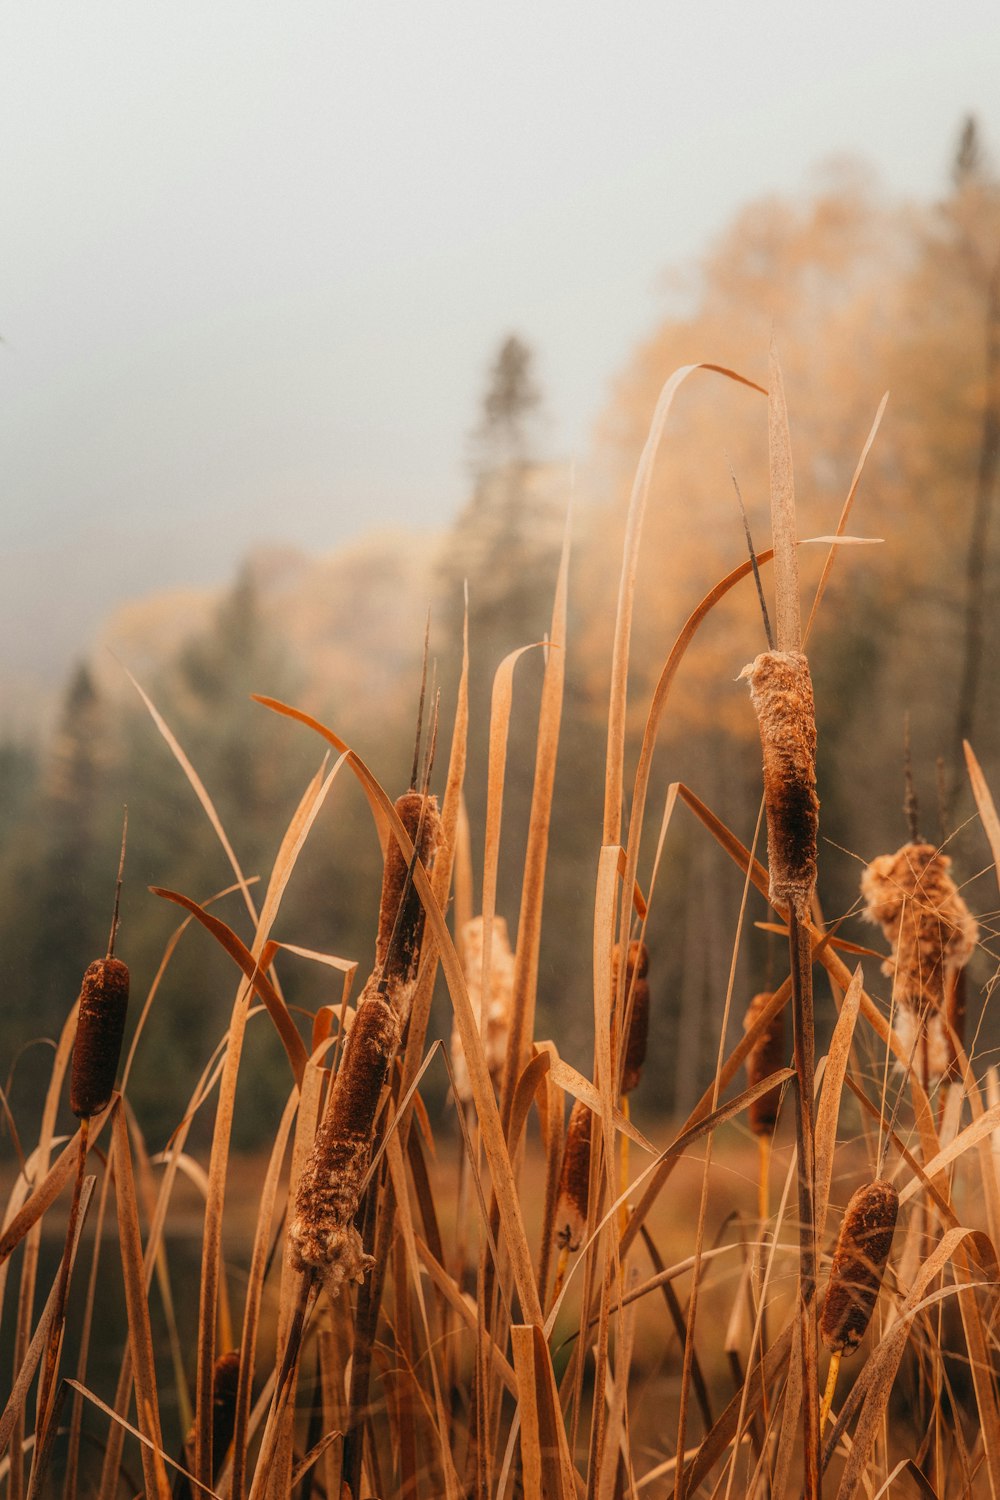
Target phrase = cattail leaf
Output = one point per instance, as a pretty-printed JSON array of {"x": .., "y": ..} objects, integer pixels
[
  {"x": 465, "y": 1308},
  {"x": 398, "y": 1175},
  {"x": 529, "y": 922},
  {"x": 544, "y": 1444},
  {"x": 615, "y": 759},
  {"x": 986, "y": 806},
  {"x": 240, "y": 953},
  {"x": 124, "y": 1425},
  {"x": 198, "y": 787},
  {"x": 501, "y": 703},
  {"x": 783, "y": 527},
  {"x": 980, "y": 1129},
  {"x": 574, "y": 1084},
  {"x": 844, "y": 514},
  {"x": 657, "y": 708},
  {"x": 828, "y": 1109},
  {"x": 41, "y": 1199}
]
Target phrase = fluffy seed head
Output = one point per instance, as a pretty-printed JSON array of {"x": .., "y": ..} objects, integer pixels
[
  {"x": 494, "y": 1013},
  {"x": 922, "y": 914},
  {"x": 397, "y": 957},
  {"x": 859, "y": 1262},
  {"x": 99, "y": 1030},
  {"x": 781, "y": 690},
  {"x": 635, "y": 1000},
  {"x": 574, "y": 1180},
  {"x": 321, "y": 1235},
  {"x": 766, "y": 1056}
]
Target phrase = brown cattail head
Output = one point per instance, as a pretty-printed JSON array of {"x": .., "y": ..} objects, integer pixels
[
  {"x": 321, "y": 1235},
  {"x": 768, "y": 1053},
  {"x": 634, "y": 999},
  {"x": 574, "y": 1180},
  {"x": 781, "y": 690},
  {"x": 859, "y": 1262},
  {"x": 401, "y": 921},
  {"x": 922, "y": 914},
  {"x": 493, "y": 1014},
  {"x": 100, "y": 1027}
]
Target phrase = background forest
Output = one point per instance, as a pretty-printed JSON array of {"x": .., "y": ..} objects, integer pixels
[{"x": 865, "y": 295}]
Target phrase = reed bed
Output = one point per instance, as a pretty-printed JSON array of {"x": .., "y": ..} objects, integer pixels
[{"x": 527, "y": 1295}]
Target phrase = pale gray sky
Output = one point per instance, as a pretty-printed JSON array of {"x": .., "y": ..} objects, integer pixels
[{"x": 256, "y": 257}]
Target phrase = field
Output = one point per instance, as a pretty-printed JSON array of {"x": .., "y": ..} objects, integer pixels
[{"x": 535, "y": 1289}]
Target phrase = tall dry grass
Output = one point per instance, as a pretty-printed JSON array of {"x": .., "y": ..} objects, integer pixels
[{"x": 562, "y": 1309}]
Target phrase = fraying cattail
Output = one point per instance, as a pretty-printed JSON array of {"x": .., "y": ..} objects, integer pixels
[
  {"x": 322, "y": 1236},
  {"x": 401, "y": 912},
  {"x": 100, "y": 1028},
  {"x": 782, "y": 694},
  {"x": 493, "y": 1015},
  {"x": 768, "y": 1053},
  {"x": 635, "y": 1002},
  {"x": 859, "y": 1262},
  {"x": 574, "y": 1180},
  {"x": 922, "y": 914}
]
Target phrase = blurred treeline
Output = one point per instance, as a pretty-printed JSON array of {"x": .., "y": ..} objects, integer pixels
[{"x": 864, "y": 295}]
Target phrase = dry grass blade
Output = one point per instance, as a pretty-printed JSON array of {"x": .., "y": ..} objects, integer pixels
[
  {"x": 141, "y": 1438},
  {"x": 842, "y": 523},
  {"x": 783, "y": 525},
  {"x": 578, "y": 1087},
  {"x": 529, "y": 926},
  {"x": 42, "y": 1198},
  {"x": 828, "y": 1110},
  {"x": 261, "y": 984},
  {"x": 198, "y": 787},
  {"x": 615, "y": 762},
  {"x": 986, "y": 806}
]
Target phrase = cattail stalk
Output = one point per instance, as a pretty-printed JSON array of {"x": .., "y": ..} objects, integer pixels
[
  {"x": 782, "y": 695},
  {"x": 859, "y": 1262}
]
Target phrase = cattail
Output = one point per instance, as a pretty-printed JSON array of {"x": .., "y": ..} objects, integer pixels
[
  {"x": 859, "y": 1262},
  {"x": 574, "y": 1180},
  {"x": 932, "y": 934},
  {"x": 321, "y": 1235},
  {"x": 493, "y": 1015},
  {"x": 766, "y": 1056},
  {"x": 635, "y": 1001},
  {"x": 781, "y": 690},
  {"x": 100, "y": 1028},
  {"x": 401, "y": 912}
]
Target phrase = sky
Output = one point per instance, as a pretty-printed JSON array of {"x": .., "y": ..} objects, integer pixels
[{"x": 257, "y": 257}]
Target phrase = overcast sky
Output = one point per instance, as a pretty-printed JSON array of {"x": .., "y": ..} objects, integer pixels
[{"x": 256, "y": 257}]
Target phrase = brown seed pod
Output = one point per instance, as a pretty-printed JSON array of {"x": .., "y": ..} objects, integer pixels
[
  {"x": 768, "y": 1053},
  {"x": 397, "y": 947},
  {"x": 574, "y": 1180},
  {"x": 100, "y": 1028},
  {"x": 321, "y": 1235},
  {"x": 781, "y": 690},
  {"x": 922, "y": 914},
  {"x": 225, "y": 1381},
  {"x": 635, "y": 999},
  {"x": 859, "y": 1262}
]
